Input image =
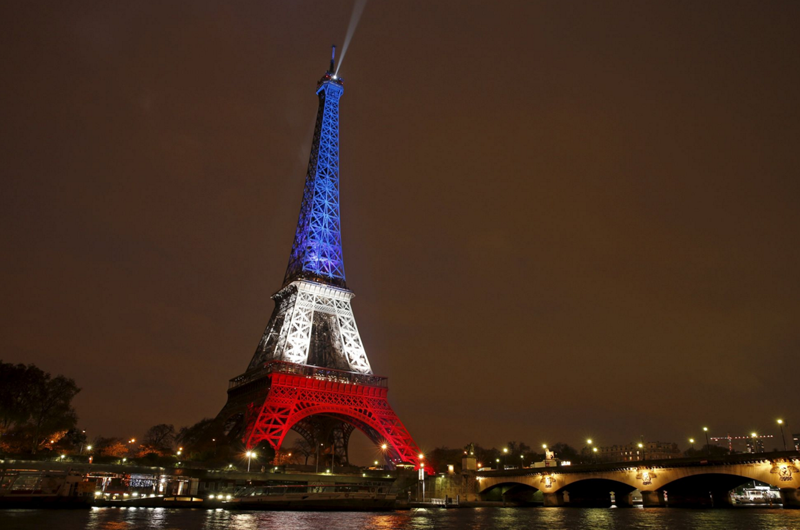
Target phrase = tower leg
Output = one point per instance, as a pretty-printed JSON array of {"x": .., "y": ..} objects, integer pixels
[{"x": 292, "y": 398}]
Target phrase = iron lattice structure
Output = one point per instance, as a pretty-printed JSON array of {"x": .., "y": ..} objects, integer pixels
[
  {"x": 317, "y": 249},
  {"x": 310, "y": 372}
]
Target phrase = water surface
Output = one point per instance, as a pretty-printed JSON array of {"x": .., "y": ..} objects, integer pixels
[{"x": 439, "y": 519}]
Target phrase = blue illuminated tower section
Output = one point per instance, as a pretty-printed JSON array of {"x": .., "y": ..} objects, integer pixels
[{"x": 317, "y": 249}]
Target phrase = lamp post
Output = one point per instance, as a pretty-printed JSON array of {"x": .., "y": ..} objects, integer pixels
[
  {"x": 641, "y": 446},
  {"x": 754, "y": 436},
  {"x": 594, "y": 454},
  {"x": 708, "y": 447},
  {"x": 783, "y": 436},
  {"x": 505, "y": 452},
  {"x": 497, "y": 460},
  {"x": 249, "y": 455},
  {"x": 592, "y": 449},
  {"x": 691, "y": 441},
  {"x": 522, "y": 461}
]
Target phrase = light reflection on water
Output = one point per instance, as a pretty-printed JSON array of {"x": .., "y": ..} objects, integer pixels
[{"x": 466, "y": 519}]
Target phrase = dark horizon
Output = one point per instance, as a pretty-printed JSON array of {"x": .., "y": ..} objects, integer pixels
[{"x": 559, "y": 222}]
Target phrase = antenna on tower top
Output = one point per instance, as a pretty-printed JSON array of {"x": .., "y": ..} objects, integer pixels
[{"x": 333, "y": 56}]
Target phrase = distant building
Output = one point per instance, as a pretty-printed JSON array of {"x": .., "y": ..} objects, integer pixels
[
  {"x": 632, "y": 452},
  {"x": 743, "y": 443}
]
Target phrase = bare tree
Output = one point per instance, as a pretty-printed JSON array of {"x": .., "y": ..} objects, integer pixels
[
  {"x": 302, "y": 447},
  {"x": 160, "y": 437}
]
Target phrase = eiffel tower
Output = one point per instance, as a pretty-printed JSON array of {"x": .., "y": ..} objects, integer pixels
[{"x": 310, "y": 372}]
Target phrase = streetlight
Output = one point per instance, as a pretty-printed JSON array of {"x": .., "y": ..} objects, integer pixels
[
  {"x": 505, "y": 452},
  {"x": 589, "y": 443},
  {"x": 250, "y": 455},
  {"x": 522, "y": 461},
  {"x": 641, "y": 446},
  {"x": 498, "y": 462},
  {"x": 691, "y": 441},
  {"x": 594, "y": 455},
  {"x": 708, "y": 447},
  {"x": 755, "y": 439},
  {"x": 783, "y": 436}
]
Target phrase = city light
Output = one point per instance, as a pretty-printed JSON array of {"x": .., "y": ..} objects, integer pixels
[
  {"x": 88, "y": 447},
  {"x": 505, "y": 449},
  {"x": 421, "y": 456},
  {"x": 594, "y": 449},
  {"x": 783, "y": 436},
  {"x": 384, "y": 446},
  {"x": 589, "y": 441}
]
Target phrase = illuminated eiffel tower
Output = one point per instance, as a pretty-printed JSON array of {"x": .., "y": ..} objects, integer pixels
[{"x": 310, "y": 372}]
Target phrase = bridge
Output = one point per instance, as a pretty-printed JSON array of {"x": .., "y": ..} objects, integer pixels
[{"x": 685, "y": 482}]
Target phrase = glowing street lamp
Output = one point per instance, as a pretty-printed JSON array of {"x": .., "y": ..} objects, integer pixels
[
  {"x": 708, "y": 447},
  {"x": 250, "y": 455},
  {"x": 783, "y": 436},
  {"x": 505, "y": 452},
  {"x": 691, "y": 441},
  {"x": 641, "y": 446}
]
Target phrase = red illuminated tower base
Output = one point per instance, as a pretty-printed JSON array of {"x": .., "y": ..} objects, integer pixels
[{"x": 299, "y": 391}]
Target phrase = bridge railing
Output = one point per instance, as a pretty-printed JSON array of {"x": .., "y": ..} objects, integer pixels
[
  {"x": 741, "y": 458},
  {"x": 305, "y": 370}
]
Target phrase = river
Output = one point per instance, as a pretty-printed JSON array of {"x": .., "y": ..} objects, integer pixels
[{"x": 421, "y": 519}]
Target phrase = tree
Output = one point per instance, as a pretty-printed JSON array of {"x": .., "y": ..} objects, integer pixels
[
  {"x": 160, "y": 437},
  {"x": 304, "y": 448},
  {"x": 16, "y": 384},
  {"x": 34, "y": 404},
  {"x": 564, "y": 451},
  {"x": 113, "y": 447},
  {"x": 51, "y": 409}
]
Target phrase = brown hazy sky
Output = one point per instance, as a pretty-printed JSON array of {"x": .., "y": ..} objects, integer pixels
[{"x": 561, "y": 219}]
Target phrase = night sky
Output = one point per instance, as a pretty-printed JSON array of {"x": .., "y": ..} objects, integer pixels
[{"x": 560, "y": 219}]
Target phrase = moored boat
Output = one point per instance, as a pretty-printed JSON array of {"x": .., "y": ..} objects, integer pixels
[{"x": 313, "y": 498}]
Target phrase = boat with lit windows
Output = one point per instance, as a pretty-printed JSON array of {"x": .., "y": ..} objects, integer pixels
[
  {"x": 329, "y": 497},
  {"x": 21, "y": 488}
]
